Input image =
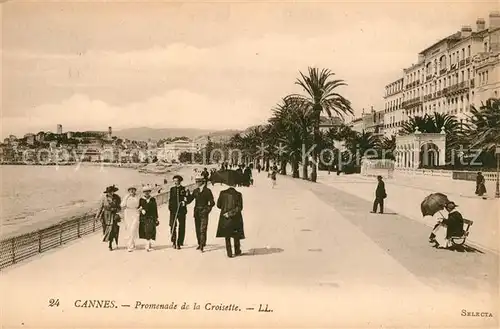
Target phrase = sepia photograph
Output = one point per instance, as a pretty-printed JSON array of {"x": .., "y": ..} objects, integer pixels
[{"x": 249, "y": 164}]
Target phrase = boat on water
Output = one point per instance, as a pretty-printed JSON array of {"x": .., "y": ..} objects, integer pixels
[{"x": 156, "y": 168}]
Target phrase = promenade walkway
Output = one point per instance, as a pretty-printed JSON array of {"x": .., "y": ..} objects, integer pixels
[
  {"x": 405, "y": 193},
  {"x": 313, "y": 255}
]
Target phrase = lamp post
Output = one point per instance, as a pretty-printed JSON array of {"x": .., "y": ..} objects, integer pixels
[{"x": 497, "y": 154}]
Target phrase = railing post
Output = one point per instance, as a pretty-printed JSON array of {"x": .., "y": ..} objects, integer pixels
[
  {"x": 60, "y": 234},
  {"x": 78, "y": 227},
  {"x": 13, "y": 248},
  {"x": 39, "y": 241}
]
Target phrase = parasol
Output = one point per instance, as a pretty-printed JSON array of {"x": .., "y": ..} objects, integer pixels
[{"x": 433, "y": 203}]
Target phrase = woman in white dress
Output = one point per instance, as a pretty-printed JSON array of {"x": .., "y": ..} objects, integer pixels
[{"x": 130, "y": 204}]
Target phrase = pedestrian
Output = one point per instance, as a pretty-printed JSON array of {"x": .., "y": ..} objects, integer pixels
[
  {"x": 148, "y": 219},
  {"x": 131, "y": 217},
  {"x": 239, "y": 175},
  {"x": 258, "y": 167},
  {"x": 204, "y": 202},
  {"x": 108, "y": 214},
  {"x": 480, "y": 184},
  {"x": 230, "y": 225},
  {"x": 272, "y": 175},
  {"x": 380, "y": 195},
  {"x": 177, "y": 206},
  {"x": 247, "y": 176},
  {"x": 205, "y": 174}
]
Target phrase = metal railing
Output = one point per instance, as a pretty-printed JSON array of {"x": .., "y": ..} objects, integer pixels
[{"x": 18, "y": 248}]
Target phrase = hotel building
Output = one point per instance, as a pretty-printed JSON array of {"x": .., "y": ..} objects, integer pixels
[{"x": 451, "y": 75}]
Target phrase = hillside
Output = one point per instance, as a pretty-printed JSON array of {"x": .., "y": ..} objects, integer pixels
[{"x": 145, "y": 133}]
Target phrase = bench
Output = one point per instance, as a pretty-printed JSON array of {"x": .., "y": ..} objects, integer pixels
[{"x": 460, "y": 240}]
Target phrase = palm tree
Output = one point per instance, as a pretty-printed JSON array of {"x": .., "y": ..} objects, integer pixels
[
  {"x": 484, "y": 126},
  {"x": 292, "y": 127},
  {"x": 321, "y": 97},
  {"x": 389, "y": 145},
  {"x": 431, "y": 124}
]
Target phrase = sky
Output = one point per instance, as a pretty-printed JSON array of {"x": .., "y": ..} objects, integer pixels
[{"x": 212, "y": 65}]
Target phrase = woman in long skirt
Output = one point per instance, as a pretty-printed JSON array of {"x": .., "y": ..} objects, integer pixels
[
  {"x": 148, "y": 218},
  {"x": 131, "y": 217},
  {"x": 108, "y": 214}
]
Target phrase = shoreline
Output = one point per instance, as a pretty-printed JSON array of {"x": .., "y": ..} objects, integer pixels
[{"x": 62, "y": 213}]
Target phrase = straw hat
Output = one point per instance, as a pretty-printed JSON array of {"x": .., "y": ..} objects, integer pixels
[
  {"x": 147, "y": 188},
  {"x": 132, "y": 188}
]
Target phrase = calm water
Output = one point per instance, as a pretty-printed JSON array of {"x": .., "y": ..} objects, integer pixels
[{"x": 31, "y": 196}]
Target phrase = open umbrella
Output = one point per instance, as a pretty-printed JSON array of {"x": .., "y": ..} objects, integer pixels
[{"x": 433, "y": 203}]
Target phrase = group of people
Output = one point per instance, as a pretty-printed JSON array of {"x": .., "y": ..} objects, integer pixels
[
  {"x": 141, "y": 215},
  {"x": 444, "y": 230}
]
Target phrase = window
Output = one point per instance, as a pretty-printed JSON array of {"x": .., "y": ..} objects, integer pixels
[
  {"x": 463, "y": 53},
  {"x": 468, "y": 51},
  {"x": 486, "y": 80},
  {"x": 486, "y": 46}
]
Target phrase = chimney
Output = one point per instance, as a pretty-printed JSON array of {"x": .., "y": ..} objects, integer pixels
[
  {"x": 494, "y": 19},
  {"x": 466, "y": 31},
  {"x": 480, "y": 24}
]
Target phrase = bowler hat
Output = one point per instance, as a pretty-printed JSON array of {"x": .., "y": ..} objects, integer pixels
[{"x": 179, "y": 177}]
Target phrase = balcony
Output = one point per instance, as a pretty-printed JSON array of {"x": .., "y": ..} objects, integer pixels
[
  {"x": 412, "y": 102},
  {"x": 467, "y": 60},
  {"x": 428, "y": 77},
  {"x": 443, "y": 71},
  {"x": 453, "y": 67},
  {"x": 457, "y": 88},
  {"x": 462, "y": 62}
]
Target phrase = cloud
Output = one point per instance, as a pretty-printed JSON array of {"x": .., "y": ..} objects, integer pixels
[
  {"x": 182, "y": 85},
  {"x": 175, "y": 108}
]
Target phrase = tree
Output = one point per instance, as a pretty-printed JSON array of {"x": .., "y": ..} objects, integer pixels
[
  {"x": 483, "y": 129},
  {"x": 291, "y": 126},
  {"x": 321, "y": 97}
]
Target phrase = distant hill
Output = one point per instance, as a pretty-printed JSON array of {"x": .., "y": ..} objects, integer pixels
[{"x": 145, "y": 133}]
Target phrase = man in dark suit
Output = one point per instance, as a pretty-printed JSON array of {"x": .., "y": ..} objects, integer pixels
[
  {"x": 380, "y": 195},
  {"x": 204, "y": 202},
  {"x": 230, "y": 202},
  {"x": 177, "y": 206}
]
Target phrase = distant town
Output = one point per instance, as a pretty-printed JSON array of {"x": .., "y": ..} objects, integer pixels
[{"x": 46, "y": 147}]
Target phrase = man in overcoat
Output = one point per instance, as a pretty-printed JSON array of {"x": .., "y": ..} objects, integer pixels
[
  {"x": 204, "y": 202},
  {"x": 177, "y": 206},
  {"x": 380, "y": 195},
  {"x": 230, "y": 202}
]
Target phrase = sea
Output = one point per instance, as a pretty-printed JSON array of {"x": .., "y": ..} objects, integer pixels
[{"x": 33, "y": 197}]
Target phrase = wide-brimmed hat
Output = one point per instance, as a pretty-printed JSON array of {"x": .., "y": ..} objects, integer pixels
[
  {"x": 111, "y": 189},
  {"x": 132, "y": 188},
  {"x": 147, "y": 188},
  {"x": 179, "y": 177},
  {"x": 199, "y": 178}
]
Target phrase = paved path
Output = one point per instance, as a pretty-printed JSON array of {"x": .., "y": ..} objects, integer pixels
[
  {"x": 312, "y": 253},
  {"x": 406, "y": 193}
]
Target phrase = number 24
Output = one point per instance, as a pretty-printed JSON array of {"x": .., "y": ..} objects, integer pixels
[{"x": 53, "y": 302}]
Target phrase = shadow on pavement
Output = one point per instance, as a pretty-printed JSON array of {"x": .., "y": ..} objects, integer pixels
[
  {"x": 465, "y": 248},
  {"x": 262, "y": 251},
  {"x": 214, "y": 247}
]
